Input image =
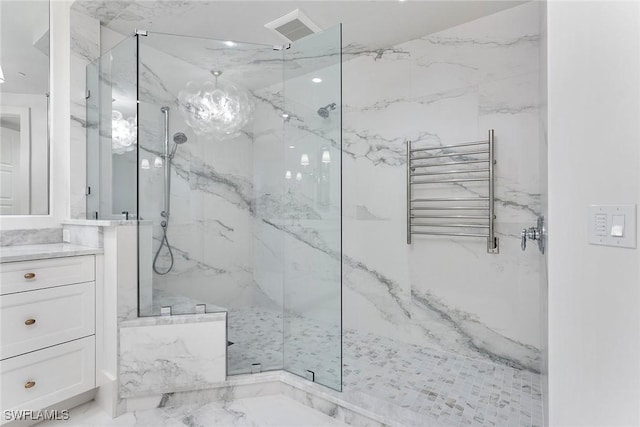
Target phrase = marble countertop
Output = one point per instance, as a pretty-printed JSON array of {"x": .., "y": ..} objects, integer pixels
[{"x": 48, "y": 250}]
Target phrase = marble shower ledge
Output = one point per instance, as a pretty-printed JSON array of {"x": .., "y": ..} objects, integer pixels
[
  {"x": 105, "y": 222},
  {"x": 179, "y": 319},
  {"x": 48, "y": 250}
]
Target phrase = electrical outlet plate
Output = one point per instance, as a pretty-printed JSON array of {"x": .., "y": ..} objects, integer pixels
[{"x": 612, "y": 225}]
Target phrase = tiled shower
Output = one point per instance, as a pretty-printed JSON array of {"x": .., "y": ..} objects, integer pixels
[{"x": 439, "y": 330}]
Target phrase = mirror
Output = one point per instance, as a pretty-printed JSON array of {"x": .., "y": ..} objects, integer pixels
[{"x": 24, "y": 105}]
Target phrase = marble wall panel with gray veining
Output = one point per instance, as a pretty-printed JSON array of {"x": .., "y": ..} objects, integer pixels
[
  {"x": 187, "y": 362},
  {"x": 31, "y": 236},
  {"x": 450, "y": 87}
]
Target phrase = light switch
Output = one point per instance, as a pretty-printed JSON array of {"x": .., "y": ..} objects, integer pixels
[
  {"x": 617, "y": 226},
  {"x": 612, "y": 225}
]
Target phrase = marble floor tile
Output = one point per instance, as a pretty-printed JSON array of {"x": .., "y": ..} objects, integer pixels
[
  {"x": 411, "y": 381},
  {"x": 268, "y": 411}
]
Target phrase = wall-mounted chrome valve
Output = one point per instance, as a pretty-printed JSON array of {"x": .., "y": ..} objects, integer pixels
[{"x": 534, "y": 233}]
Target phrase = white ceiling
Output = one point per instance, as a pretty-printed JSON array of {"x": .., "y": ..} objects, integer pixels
[
  {"x": 22, "y": 24},
  {"x": 374, "y": 24}
]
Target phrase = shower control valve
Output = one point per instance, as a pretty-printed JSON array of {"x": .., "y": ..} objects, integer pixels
[
  {"x": 163, "y": 214},
  {"x": 533, "y": 233}
]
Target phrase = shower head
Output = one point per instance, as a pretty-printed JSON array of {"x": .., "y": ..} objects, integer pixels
[
  {"x": 324, "y": 111},
  {"x": 179, "y": 138}
]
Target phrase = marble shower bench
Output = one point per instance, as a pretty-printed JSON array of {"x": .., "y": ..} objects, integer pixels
[{"x": 170, "y": 354}]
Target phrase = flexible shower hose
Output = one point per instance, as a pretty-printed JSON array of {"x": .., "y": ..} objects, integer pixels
[{"x": 164, "y": 241}]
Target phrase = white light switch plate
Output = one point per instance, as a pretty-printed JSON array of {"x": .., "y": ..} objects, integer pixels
[{"x": 605, "y": 222}]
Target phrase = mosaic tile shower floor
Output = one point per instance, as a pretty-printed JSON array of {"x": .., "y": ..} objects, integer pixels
[{"x": 442, "y": 388}]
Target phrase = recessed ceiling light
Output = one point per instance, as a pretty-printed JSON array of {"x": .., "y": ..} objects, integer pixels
[
  {"x": 292, "y": 146},
  {"x": 285, "y": 116},
  {"x": 316, "y": 80},
  {"x": 230, "y": 43}
]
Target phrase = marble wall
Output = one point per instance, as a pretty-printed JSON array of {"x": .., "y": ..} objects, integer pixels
[
  {"x": 444, "y": 88},
  {"x": 31, "y": 236}
]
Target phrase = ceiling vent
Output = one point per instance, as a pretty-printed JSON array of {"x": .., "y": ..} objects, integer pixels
[{"x": 293, "y": 26}]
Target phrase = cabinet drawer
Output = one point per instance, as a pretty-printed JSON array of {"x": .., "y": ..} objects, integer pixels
[
  {"x": 36, "y": 319},
  {"x": 39, "y": 379},
  {"x": 44, "y": 273}
]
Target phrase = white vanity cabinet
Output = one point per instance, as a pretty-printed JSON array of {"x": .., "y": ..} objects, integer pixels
[{"x": 47, "y": 331}]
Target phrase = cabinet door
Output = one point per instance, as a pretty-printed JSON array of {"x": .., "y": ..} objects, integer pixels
[
  {"x": 45, "y": 273},
  {"x": 41, "y": 378},
  {"x": 36, "y": 319}
]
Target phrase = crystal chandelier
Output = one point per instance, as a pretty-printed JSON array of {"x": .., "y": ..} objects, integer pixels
[
  {"x": 123, "y": 133},
  {"x": 215, "y": 108}
]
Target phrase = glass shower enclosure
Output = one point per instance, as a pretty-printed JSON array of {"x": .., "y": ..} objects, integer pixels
[{"x": 228, "y": 155}]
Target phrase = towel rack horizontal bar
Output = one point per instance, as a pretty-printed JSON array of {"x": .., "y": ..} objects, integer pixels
[
  {"x": 442, "y": 147},
  {"x": 450, "y": 208},
  {"x": 444, "y": 181},
  {"x": 482, "y": 217},
  {"x": 466, "y": 162},
  {"x": 452, "y": 199},
  {"x": 449, "y": 172},
  {"x": 435, "y": 233},
  {"x": 451, "y": 225},
  {"x": 449, "y": 155}
]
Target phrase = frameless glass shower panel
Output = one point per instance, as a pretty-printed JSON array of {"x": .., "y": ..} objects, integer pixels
[
  {"x": 311, "y": 225},
  {"x": 202, "y": 116},
  {"x": 111, "y": 134}
]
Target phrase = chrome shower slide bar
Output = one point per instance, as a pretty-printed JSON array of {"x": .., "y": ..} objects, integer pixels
[
  {"x": 444, "y": 147},
  {"x": 462, "y": 203},
  {"x": 465, "y": 153}
]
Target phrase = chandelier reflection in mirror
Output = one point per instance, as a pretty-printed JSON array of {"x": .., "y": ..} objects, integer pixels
[
  {"x": 123, "y": 133},
  {"x": 215, "y": 108}
]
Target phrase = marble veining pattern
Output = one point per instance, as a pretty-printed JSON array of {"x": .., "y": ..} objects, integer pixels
[
  {"x": 245, "y": 412},
  {"x": 187, "y": 361},
  {"x": 30, "y": 236}
]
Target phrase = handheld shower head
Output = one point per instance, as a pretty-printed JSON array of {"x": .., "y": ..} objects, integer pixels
[
  {"x": 324, "y": 111},
  {"x": 178, "y": 138}
]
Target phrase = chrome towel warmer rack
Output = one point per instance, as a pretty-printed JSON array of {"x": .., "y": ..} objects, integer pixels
[{"x": 455, "y": 166}]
